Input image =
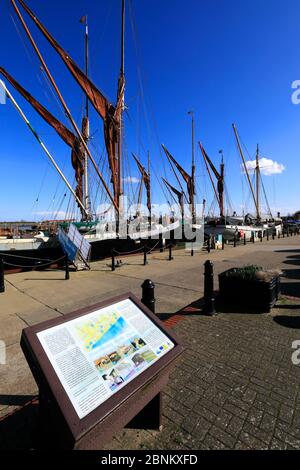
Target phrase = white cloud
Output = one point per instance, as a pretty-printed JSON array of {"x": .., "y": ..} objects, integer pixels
[
  {"x": 131, "y": 179},
  {"x": 267, "y": 166}
]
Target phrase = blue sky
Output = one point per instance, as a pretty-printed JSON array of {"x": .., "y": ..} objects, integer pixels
[{"x": 228, "y": 60}]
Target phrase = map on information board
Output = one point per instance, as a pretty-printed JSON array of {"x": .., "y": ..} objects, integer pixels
[{"x": 97, "y": 354}]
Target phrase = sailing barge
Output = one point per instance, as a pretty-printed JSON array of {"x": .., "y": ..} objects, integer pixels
[{"x": 42, "y": 248}]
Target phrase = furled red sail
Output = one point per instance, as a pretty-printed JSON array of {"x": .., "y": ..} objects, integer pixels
[
  {"x": 219, "y": 177},
  {"x": 146, "y": 181},
  {"x": 215, "y": 171},
  {"x": 187, "y": 178},
  {"x": 179, "y": 194},
  {"x": 68, "y": 137},
  {"x": 106, "y": 110}
]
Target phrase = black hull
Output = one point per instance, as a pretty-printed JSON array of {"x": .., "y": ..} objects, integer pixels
[
  {"x": 26, "y": 260},
  {"x": 50, "y": 254},
  {"x": 47, "y": 257}
]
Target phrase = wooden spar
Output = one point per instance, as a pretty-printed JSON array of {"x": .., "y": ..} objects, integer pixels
[
  {"x": 138, "y": 212},
  {"x": 149, "y": 175},
  {"x": 42, "y": 144},
  {"x": 67, "y": 111},
  {"x": 257, "y": 173},
  {"x": 245, "y": 166},
  {"x": 121, "y": 84},
  {"x": 221, "y": 183},
  {"x": 209, "y": 173},
  {"x": 86, "y": 175},
  {"x": 193, "y": 168}
]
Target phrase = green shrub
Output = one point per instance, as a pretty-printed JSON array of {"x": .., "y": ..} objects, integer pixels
[{"x": 247, "y": 273}]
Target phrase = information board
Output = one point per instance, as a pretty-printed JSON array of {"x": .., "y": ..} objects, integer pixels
[{"x": 97, "y": 354}]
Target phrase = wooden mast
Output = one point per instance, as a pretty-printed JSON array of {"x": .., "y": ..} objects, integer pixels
[
  {"x": 149, "y": 174},
  {"x": 84, "y": 20},
  {"x": 257, "y": 174},
  {"x": 192, "y": 201},
  {"x": 121, "y": 87},
  {"x": 61, "y": 99},
  {"x": 245, "y": 167},
  {"x": 221, "y": 185}
]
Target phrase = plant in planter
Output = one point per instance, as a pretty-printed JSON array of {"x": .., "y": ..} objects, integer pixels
[{"x": 249, "y": 288}]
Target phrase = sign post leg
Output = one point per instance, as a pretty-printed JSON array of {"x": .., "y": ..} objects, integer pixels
[{"x": 150, "y": 417}]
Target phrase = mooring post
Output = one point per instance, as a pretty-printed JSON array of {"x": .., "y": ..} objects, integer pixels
[
  {"x": 192, "y": 250},
  {"x": 67, "y": 272},
  {"x": 267, "y": 235},
  {"x": 209, "y": 299},
  {"x": 170, "y": 252},
  {"x": 213, "y": 243},
  {"x": 148, "y": 297},
  {"x": 234, "y": 240},
  {"x": 113, "y": 261},
  {"x": 223, "y": 243},
  {"x": 2, "y": 284},
  {"x": 208, "y": 245},
  {"x": 245, "y": 241},
  {"x": 160, "y": 236},
  {"x": 145, "y": 255}
]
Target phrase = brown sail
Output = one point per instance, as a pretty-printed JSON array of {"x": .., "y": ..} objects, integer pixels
[
  {"x": 219, "y": 177},
  {"x": 66, "y": 135},
  {"x": 106, "y": 110},
  {"x": 179, "y": 194},
  {"x": 146, "y": 181},
  {"x": 187, "y": 178}
]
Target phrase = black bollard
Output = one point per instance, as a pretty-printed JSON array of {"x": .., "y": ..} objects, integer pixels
[
  {"x": 113, "y": 261},
  {"x": 208, "y": 245},
  {"x": 160, "y": 235},
  {"x": 253, "y": 237},
  {"x": 209, "y": 299},
  {"x": 170, "y": 252},
  {"x": 288, "y": 232},
  {"x": 145, "y": 256},
  {"x": 234, "y": 240},
  {"x": 67, "y": 272},
  {"x": 267, "y": 235},
  {"x": 213, "y": 243},
  {"x": 283, "y": 233},
  {"x": 2, "y": 284},
  {"x": 192, "y": 250},
  {"x": 223, "y": 243},
  {"x": 148, "y": 298},
  {"x": 245, "y": 241}
]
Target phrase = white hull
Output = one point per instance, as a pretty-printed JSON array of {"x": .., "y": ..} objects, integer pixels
[
  {"x": 228, "y": 231},
  {"x": 156, "y": 229}
]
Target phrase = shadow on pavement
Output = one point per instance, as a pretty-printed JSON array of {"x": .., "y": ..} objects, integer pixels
[
  {"x": 288, "y": 321},
  {"x": 290, "y": 288},
  {"x": 16, "y": 400},
  {"x": 19, "y": 430}
]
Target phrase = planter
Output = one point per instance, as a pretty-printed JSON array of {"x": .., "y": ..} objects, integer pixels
[{"x": 248, "y": 294}]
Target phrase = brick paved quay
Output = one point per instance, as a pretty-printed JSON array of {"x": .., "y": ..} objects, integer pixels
[{"x": 235, "y": 387}]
